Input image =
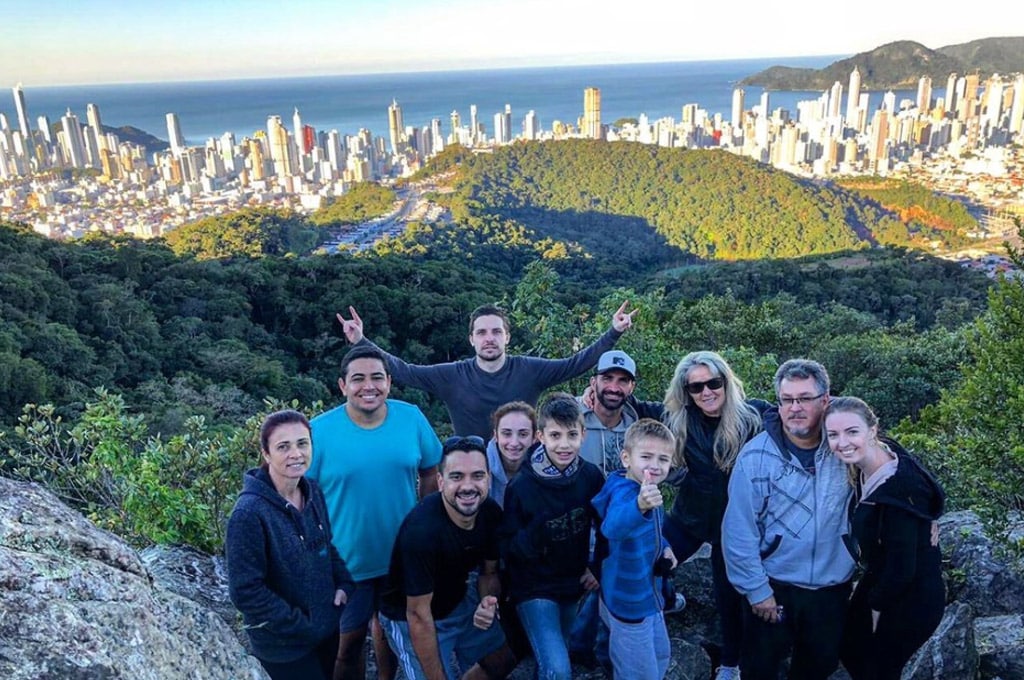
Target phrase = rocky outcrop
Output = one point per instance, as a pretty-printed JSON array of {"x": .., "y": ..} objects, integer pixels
[
  {"x": 77, "y": 603},
  {"x": 979, "y": 574},
  {"x": 1000, "y": 642},
  {"x": 951, "y": 653}
]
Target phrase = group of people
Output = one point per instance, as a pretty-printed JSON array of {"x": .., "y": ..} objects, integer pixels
[{"x": 543, "y": 532}]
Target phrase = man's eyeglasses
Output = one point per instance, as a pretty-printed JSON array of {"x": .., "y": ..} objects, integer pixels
[
  {"x": 799, "y": 401},
  {"x": 698, "y": 387},
  {"x": 470, "y": 443}
]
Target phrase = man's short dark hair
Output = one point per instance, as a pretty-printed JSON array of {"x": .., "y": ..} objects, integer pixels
[
  {"x": 801, "y": 369},
  {"x": 363, "y": 352},
  {"x": 488, "y": 310},
  {"x": 465, "y": 444}
]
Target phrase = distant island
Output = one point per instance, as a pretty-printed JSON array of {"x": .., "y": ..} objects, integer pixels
[{"x": 899, "y": 66}]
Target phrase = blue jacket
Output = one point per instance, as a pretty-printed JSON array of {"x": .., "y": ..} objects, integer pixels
[
  {"x": 283, "y": 570},
  {"x": 784, "y": 522},
  {"x": 629, "y": 587}
]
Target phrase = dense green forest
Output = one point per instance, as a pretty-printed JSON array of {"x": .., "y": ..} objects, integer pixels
[{"x": 132, "y": 373}]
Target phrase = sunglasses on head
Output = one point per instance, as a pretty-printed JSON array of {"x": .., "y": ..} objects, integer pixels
[
  {"x": 698, "y": 387},
  {"x": 472, "y": 442}
]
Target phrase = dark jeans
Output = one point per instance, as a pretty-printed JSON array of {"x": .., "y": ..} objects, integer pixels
[
  {"x": 728, "y": 602},
  {"x": 812, "y": 629},
  {"x": 318, "y": 664}
]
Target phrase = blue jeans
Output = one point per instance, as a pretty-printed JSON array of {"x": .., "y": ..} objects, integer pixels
[
  {"x": 547, "y": 625},
  {"x": 639, "y": 651},
  {"x": 456, "y": 635},
  {"x": 589, "y": 634}
]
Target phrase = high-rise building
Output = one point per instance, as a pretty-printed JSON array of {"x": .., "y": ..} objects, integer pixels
[
  {"x": 74, "y": 144},
  {"x": 499, "y": 128},
  {"x": 92, "y": 114},
  {"x": 689, "y": 114},
  {"x": 22, "y": 109},
  {"x": 968, "y": 104},
  {"x": 877, "y": 149},
  {"x": 456, "y": 122},
  {"x": 737, "y": 108},
  {"x": 992, "y": 101},
  {"x": 951, "y": 92},
  {"x": 1017, "y": 108},
  {"x": 853, "y": 98},
  {"x": 506, "y": 137},
  {"x": 280, "y": 147},
  {"x": 835, "y": 100},
  {"x": 592, "y": 113},
  {"x": 530, "y": 125},
  {"x": 174, "y": 135},
  {"x": 396, "y": 128},
  {"x": 924, "y": 95}
]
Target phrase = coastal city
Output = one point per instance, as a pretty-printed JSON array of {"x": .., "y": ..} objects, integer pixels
[{"x": 68, "y": 179}]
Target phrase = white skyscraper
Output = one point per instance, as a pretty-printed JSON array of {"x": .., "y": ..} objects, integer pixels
[
  {"x": 474, "y": 125},
  {"x": 853, "y": 99},
  {"x": 174, "y": 135},
  {"x": 506, "y": 136},
  {"x": 889, "y": 102},
  {"x": 74, "y": 144},
  {"x": 951, "y": 92},
  {"x": 1017, "y": 108},
  {"x": 499, "y": 128},
  {"x": 835, "y": 100},
  {"x": 737, "y": 108},
  {"x": 530, "y": 127}
]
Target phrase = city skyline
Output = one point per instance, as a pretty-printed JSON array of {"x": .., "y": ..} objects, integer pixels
[{"x": 192, "y": 40}]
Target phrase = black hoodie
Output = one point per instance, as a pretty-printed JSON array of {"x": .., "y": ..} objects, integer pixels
[
  {"x": 893, "y": 531},
  {"x": 545, "y": 533},
  {"x": 283, "y": 570}
]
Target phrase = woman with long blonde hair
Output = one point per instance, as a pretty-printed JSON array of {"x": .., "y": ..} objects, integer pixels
[{"x": 707, "y": 410}]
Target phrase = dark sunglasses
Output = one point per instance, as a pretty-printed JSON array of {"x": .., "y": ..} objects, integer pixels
[
  {"x": 470, "y": 443},
  {"x": 698, "y": 387}
]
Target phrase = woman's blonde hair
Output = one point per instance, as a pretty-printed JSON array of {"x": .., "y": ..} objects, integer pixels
[{"x": 738, "y": 419}]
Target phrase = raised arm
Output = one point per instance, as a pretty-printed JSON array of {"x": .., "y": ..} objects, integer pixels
[
  {"x": 433, "y": 379},
  {"x": 551, "y": 372}
]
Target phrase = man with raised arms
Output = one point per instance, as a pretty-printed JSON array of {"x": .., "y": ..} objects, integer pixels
[
  {"x": 368, "y": 439},
  {"x": 431, "y": 616},
  {"x": 472, "y": 389}
]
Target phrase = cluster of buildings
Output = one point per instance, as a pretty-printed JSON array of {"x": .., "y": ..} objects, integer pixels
[{"x": 969, "y": 139}]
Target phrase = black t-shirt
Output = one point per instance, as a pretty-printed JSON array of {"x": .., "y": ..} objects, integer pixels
[
  {"x": 432, "y": 555},
  {"x": 805, "y": 456}
]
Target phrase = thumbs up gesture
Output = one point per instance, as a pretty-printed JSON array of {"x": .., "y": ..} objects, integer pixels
[
  {"x": 486, "y": 612},
  {"x": 650, "y": 494}
]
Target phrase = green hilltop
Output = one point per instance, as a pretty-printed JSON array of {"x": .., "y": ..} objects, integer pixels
[{"x": 899, "y": 65}]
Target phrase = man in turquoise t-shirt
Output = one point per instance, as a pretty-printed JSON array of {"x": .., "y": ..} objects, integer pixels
[{"x": 370, "y": 455}]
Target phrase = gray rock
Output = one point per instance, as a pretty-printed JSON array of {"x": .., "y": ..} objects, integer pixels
[
  {"x": 1000, "y": 642},
  {"x": 993, "y": 584},
  {"x": 77, "y": 603},
  {"x": 950, "y": 654}
]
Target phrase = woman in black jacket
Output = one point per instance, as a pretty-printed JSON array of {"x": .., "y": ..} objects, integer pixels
[
  {"x": 284, "y": 575},
  {"x": 707, "y": 410},
  {"x": 899, "y": 600}
]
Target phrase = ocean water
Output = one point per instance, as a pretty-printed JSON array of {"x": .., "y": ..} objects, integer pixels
[{"x": 347, "y": 103}]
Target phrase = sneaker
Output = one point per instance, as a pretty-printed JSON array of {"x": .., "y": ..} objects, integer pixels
[
  {"x": 727, "y": 673},
  {"x": 677, "y": 606}
]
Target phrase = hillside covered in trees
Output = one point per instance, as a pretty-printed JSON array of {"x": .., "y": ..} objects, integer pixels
[{"x": 189, "y": 339}]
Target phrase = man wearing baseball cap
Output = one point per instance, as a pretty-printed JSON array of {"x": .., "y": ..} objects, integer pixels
[{"x": 606, "y": 423}]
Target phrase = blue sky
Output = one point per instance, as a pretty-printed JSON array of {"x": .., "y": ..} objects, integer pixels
[{"x": 101, "y": 41}]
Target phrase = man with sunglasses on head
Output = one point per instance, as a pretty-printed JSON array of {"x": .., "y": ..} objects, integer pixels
[
  {"x": 373, "y": 457},
  {"x": 434, "y": 619},
  {"x": 472, "y": 389},
  {"x": 785, "y": 534}
]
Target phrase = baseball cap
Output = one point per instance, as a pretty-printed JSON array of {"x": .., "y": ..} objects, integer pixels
[{"x": 616, "y": 359}]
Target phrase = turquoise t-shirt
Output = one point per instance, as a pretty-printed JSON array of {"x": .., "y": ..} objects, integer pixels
[{"x": 369, "y": 479}]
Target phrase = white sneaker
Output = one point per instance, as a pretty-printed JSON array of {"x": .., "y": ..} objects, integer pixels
[
  {"x": 677, "y": 606},
  {"x": 727, "y": 673}
]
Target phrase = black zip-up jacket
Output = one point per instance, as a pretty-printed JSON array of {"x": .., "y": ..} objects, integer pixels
[
  {"x": 893, "y": 531},
  {"x": 703, "y": 487},
  {"x": 545, "y": 533},
  {"x": 283, "y": 570}
]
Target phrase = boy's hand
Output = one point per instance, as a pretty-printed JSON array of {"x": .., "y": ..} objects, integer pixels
[
  {"x": 650, "y": 494},
  {"x": 486, "y": 612},
  {"x": 588, "y": 581},
  {"x": 669, "y": 555}
]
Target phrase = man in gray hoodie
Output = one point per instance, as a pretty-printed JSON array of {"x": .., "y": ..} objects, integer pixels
[{"x": 786, "y": 531}]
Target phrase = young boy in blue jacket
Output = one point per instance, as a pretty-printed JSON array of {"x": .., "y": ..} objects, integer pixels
[{"x": 630, "y": 507}]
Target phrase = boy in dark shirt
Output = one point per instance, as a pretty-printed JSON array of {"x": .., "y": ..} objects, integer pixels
[
  {"x": 427, "y": 611},
  {"x": 545, "y": 535}
]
